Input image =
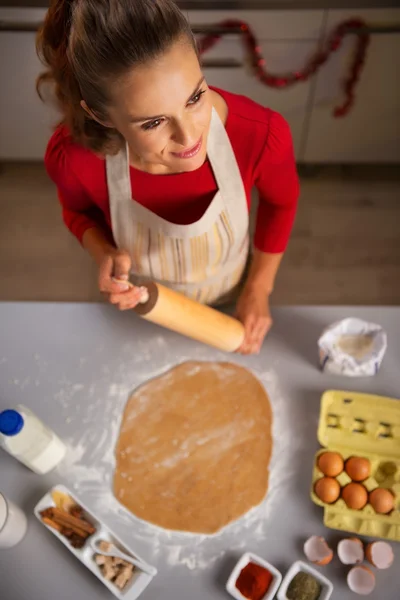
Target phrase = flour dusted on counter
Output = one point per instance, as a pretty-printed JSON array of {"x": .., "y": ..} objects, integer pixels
[
  {"x": 352, "y": 347},
  {"x": 90, "y": 461}
]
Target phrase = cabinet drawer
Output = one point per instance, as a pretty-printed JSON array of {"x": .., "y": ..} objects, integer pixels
[
  {"x": 25, "y": 122},
  {"x": 281, "y": 57},
  {"x": 267, "y": 24},
  {"x": 370, "y": 132}
]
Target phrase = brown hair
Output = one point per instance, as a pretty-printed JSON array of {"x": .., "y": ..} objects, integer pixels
[{"x": 88, "y": 44}]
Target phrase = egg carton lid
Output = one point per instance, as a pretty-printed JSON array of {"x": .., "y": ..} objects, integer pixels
[
  {"x": 373, "y": 526},
  {"x": 360, "y": 423}
]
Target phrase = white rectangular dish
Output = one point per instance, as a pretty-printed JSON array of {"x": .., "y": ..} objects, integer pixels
[
  {"x": 327, "y": 587},
  {"x": 139, "y": 581},
  {"x": 245, "y": 560}
]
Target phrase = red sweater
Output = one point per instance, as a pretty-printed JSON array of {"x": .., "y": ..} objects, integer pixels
[{"x": 262, "y": 144}]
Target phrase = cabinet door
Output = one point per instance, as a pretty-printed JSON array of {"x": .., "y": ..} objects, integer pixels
[
  {"x": 287, "y": 39},
  {"x": 370, "y": 132},
  {"x": 266, "y": 24},
  {"x": 25, "y": 122},
  {"x": 281, "y": 57}
]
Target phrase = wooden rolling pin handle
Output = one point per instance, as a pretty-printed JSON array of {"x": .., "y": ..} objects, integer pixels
[{"x": 175, "y": 311}]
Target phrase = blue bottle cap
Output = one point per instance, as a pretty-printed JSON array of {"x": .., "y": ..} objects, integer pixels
[{"x": 11, "y": 422}]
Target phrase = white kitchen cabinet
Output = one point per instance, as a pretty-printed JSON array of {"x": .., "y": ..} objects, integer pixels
[
  {"x": 267, "y": 24},
  {"x": 287, "y": 39},
  {"x": 281, "y": 56},
  {"x": 370, "y": 132},
  {"x": 25, "y": 122}
]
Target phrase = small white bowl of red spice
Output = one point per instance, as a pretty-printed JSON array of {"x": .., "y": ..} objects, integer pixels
[{"x": 253, "y": 578}]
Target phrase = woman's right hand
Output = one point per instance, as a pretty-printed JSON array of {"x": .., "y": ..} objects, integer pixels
[{"x": 116, "y": 265}]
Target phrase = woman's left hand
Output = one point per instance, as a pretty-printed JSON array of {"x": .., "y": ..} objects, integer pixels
[{"x": 253, "y": 311}]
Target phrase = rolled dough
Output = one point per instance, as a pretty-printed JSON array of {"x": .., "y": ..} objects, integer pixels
[{"x": 194, "y": 447}]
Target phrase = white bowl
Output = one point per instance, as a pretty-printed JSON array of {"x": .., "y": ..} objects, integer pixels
[
  {"x": 246, "y": 558},
  {"x": 140, "y": 579},
  {"x": 327, "y": 587}
]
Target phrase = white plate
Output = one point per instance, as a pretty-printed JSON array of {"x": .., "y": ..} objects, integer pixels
[
  {"x": 139, "y": 581},
  {"x": 327, "y": 587},
  {"x": 246, "y": 558}
]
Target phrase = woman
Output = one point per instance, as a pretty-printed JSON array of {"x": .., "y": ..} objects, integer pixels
[{"x": 154, "y": 169}]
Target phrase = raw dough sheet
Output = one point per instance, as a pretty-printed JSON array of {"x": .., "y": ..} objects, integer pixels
[{"x": 194, "y": 447}]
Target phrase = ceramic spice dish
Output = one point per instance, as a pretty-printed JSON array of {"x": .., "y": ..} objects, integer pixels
[
  {"x": 241, "y": 564},
  {"x": 302, "y": 567},
  {"x": 85, "y": 553}
]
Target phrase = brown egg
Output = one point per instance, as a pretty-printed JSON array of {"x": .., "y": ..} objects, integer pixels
[
  {"x": 355, "y": 495},
  {"x": 330, "y": 464},
  {"x": 381, "y": 500},
  {"x": 327, "y": 489},
  {"x": 357, "y": 468}
]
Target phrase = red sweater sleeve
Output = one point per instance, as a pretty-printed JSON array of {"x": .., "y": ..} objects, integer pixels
[
  {"x": 278, "y": 186},
  {"x": 78, "y": 210}
]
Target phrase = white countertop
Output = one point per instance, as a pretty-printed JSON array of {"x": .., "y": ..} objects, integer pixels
[{"x": 75, "y": 364}]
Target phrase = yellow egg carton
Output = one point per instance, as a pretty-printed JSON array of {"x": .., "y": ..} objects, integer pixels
[{"x": 367, "y": 426}]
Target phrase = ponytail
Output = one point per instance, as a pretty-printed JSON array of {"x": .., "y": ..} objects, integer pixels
[
  {"x": 87, "y": 44},
  {"x": 52, "y": 48}
]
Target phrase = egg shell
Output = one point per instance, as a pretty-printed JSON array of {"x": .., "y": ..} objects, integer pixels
[
  {"x": 358, "y": 468},
  {"x": 317, "y": 551},
  {"x": 361, "y": 580},
  {"x": 355, "y": 496},
  {"x": 330, "y": 464},
  {"x": 380, "y": 555},
  {"x": 350, "y": 551},
  {"x": 381, "y": 500},
  {"x": 327, "y": 489}
]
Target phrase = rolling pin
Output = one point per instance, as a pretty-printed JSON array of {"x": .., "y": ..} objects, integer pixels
[{"x": 175, "y": 311}]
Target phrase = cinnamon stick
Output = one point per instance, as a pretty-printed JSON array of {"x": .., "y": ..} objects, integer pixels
[
  {"x": 52, "y": 524},
  {"x": 63, "y": 518},
  {"x": 77, "y": 539}
]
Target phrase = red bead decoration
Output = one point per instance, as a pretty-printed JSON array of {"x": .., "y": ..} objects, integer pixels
[{"x": 281, "y": 81}]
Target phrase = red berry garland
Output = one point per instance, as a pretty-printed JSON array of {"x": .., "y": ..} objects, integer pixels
[{"x": 282, "y": 81}]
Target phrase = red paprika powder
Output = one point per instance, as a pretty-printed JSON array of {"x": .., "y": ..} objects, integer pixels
[{"x": 253, "y": 581}]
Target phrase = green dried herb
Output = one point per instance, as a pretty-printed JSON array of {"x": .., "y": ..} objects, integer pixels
[{"x": 303, "y": 587}]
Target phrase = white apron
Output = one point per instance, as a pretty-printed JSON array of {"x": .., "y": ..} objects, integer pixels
[{"x": 204, "y": 260}]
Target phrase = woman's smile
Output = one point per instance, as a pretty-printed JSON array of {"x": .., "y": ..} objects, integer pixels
[{"x": 190, "y": 152}]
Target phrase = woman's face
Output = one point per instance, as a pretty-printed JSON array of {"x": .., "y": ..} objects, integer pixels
[{"x": 163, "y": 110}]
